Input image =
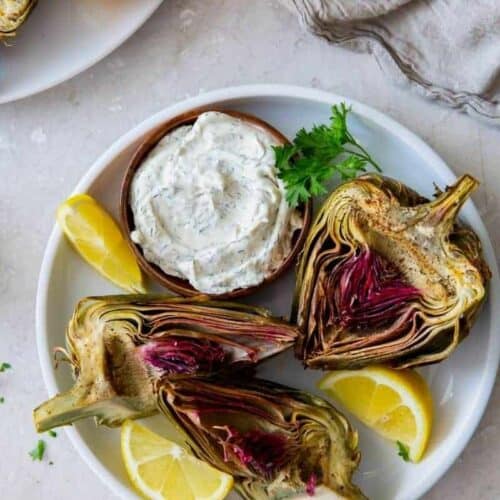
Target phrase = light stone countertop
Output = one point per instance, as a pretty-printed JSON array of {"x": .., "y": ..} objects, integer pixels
[{"x": 47, "y": 142}]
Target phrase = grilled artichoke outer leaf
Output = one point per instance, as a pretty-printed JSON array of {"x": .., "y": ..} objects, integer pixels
[
  {"x": 120, "y": 347},
  {"x": 275, "y": 441},
  {"x": 436, "y": 263},
  {"x": 13, "y": 13}
]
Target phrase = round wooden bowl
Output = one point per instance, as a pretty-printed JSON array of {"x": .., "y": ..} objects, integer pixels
[{"x": 179, "y": 285}]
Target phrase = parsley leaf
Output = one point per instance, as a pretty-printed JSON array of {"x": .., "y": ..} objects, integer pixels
[
  {"x": 37, "y": 452},
  {"x": 404, "y": 451},
  {"x": 4, "y": 366},
  {"x": 2, "y": 400},
  {"x": 52, "y": 433},
  {"x": 316, "y": 155},
  {"x": 338, "y": 123}
]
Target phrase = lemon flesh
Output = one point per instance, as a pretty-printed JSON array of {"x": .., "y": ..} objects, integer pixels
[
  {"x": 160, "y": 469},
  {"x": 397, "y": 404},
  {"x": 98, "y": 239}
]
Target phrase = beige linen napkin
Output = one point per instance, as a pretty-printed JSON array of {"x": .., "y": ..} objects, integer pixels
[{"x": 445, "y": 49}]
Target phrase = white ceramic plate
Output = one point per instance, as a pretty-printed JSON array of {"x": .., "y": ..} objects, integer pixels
[
  {"x": 61, "y": 38},
  {"x": 461, "y": 385}
]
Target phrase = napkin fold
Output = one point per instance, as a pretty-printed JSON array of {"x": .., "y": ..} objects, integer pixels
[{"x": 444, "y": 49}]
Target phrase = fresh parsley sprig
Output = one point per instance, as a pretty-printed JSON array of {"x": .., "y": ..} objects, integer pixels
[{"x": 316, "y": 155}]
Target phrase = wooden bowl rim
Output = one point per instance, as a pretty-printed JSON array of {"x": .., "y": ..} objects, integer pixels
[{"x": 179, "y": 285}]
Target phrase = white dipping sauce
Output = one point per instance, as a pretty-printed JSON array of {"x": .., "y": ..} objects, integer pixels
[{"x": 208, "y": 206}]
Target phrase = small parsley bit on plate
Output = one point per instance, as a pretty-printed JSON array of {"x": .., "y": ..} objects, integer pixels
[{"x": 403, "y": 452}]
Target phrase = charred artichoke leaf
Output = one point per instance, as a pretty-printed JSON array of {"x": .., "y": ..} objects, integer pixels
[
  {"x": 275, "y": 441},
  {"x": 13, "y": 13},
  {"x": 121, "y": 346},
  {"x": 387, "y": 276}
]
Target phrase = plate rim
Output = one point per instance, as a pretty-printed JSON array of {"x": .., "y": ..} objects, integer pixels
[
  {"x": 266, "y": 91},
  {"x": 99, "y": 56}
]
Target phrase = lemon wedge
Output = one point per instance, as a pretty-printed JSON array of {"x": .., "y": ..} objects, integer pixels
[
  {"x": 162, "y": 470},
  {"x": 98, "y": 239},
  {"x": 395, "y": 403}
]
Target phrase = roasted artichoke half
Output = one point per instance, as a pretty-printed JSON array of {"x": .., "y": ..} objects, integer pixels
[
  {"x": 121, "y": 346},
  {"x": 387, "y": 276},
  {"x": 275, "y": 441},
  {"x": 13, "y": 13}
]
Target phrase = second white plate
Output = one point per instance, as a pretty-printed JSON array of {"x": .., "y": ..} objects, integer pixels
[{"x": 61, "y": 38}]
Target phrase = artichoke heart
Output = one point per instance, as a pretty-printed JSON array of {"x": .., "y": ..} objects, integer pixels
[
  {"x": 13, "y": 13},
  {"x": 122, "y": 346},
  {"x": 387, "y": 276},
  {"x": 275, "y": 441}
]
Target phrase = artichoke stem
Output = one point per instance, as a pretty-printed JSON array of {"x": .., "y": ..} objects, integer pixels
[
  {"x": 62, "y": 410},
  {"x": 69, "y": 407},
  {"x": 444, "y": 210}
]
